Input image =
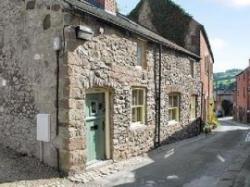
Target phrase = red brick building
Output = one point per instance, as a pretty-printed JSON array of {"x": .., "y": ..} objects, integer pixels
[{"x": 242, "y": 96}]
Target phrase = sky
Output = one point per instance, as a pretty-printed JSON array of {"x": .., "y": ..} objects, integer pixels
[{"x": 227, "y": 23}]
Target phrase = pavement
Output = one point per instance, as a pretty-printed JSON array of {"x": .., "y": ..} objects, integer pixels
[{"x": 220, "y": 159}]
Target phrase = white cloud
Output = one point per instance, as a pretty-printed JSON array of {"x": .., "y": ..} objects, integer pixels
[
  {"x": 241, "y": 2},
  {"x": 218, "y": 43},
  {"x": 235, "y": 3}
]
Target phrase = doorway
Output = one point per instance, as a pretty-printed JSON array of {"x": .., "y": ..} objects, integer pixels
[{"x": 97, "y": 126}]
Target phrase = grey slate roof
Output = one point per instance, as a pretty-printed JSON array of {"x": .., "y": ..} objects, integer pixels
[{"x": 125, "y": 23}]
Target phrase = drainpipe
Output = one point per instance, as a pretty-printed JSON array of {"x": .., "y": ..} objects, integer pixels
[
  {"x": 57, "y": 48},
  {"x": 159, "y": 96},
  {"x": 57, "y": 106},
  {"x": 157, "y": 78},
  {"x": 202, "y": 105}
]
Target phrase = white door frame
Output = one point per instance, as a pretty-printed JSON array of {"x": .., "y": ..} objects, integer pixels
[{"x": 107, "y": 118}]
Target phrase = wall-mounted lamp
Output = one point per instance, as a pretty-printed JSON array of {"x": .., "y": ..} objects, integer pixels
[
  {"x": 3, "y": 82},
  {"x": 57, "y": 43},
  {"x": 84, "y": 32}
]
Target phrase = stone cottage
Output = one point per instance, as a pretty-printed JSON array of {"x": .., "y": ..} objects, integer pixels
[
  {"x": 109, "y": 88},
  {"x": 157, "y": 15}
]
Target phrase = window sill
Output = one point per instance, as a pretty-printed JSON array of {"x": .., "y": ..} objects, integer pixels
[
  {"x": 170, "y": 123},
  {"x": 137, "y": 126},
  {"x": 138, "y": 68},
  {"x": 192, "y": 119}
]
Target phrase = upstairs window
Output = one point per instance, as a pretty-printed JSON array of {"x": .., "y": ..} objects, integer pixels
[
  {"x": 174, "y": 107},
  {"x": 138, "y": 105},
  {"x": 141, "y": 54}
]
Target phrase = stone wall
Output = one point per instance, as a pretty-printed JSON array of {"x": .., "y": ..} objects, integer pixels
[
  {"x": 28, "y": 70},
  {"x": 109, "y": 61}
]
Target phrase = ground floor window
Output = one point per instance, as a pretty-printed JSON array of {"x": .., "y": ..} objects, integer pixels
[
  {"x": 174, "y": 107},
  {"x": 193, "y": 107},
  {"x": 138, "y": 105}
]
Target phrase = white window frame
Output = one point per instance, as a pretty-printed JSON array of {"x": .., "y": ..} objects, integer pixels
[
  {"x": 174, "y": 108},
  {"x": 142, "y": 106}
]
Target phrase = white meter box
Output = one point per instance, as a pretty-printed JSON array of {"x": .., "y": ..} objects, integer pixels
[{"x": 43, "y": 127}]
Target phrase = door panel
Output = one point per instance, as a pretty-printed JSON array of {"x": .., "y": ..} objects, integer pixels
[{"x": 95, "y": 126}]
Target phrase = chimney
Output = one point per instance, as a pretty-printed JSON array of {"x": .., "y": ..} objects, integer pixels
[{"x": 109, "y": 6}]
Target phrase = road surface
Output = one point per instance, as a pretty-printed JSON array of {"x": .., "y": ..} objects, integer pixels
[{"x": 204, "y": 161}]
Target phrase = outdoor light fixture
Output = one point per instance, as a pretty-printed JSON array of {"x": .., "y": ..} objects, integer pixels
[
  {"x": 57, "y": 43},
  {"x": 84, "y": 32},
  {"x": 3, "y": 82}
]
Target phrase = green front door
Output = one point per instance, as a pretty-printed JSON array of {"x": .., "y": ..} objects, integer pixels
[{"x": 95, "y": 126}]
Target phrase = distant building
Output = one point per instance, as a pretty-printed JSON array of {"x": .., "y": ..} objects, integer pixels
[
  {"x": 242, "y": 97},
  {"x": 224, "y": 95}
]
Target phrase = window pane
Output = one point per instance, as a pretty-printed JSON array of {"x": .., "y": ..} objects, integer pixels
[
  {"x": 139, "y": 114},
  {"x": 170, "y": 101},
  {"x": 134, "y": 116},
  {"x": 134, "y": 97},
  {"x": 93, "y": 108},
  {"x": 141, "y": 97},
  {"x": 174, "y": 115},
  {"x": 170, "y": 115},
  {"x": 175, "y": 100},
  {"x": 138, "y": 105}
]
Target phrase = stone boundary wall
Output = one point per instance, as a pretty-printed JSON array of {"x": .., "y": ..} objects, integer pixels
[{"x": 28, "y": 66}]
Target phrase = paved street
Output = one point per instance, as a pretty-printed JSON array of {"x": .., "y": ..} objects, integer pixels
[{"x": 204, "y": 161}]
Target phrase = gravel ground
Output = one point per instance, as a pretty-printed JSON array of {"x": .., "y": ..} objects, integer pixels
[{"x": 20, "y": 170}]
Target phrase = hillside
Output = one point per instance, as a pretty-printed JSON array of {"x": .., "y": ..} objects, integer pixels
[{"x": 225, "y": 80}]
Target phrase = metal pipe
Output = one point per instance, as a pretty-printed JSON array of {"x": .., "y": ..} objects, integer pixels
[
  {"x": 41, "y": 151},
  {"x": 156, "y": 101},
  {"x": 159, "y": 96},
  {"x": 202, "y": 99},
  {"x": 57, "y": 91},
  {"x": 57, "y": 104}
]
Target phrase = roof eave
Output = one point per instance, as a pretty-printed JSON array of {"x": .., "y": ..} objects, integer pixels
[{"x": 91, "y": 10}]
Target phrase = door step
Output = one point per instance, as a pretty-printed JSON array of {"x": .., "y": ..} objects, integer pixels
[{"x": 98, "y": 164}]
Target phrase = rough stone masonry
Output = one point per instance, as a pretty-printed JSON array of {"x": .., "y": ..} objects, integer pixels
[{"x": 108, "y": 61}]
